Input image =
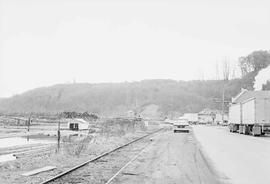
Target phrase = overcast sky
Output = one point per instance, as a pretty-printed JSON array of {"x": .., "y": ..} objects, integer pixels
[{"x": 59, "y": 41}]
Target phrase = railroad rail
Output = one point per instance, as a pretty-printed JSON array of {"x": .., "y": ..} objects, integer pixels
[
  {"x": 127, "y": 164},
  {"x": 96, "y": 158}
]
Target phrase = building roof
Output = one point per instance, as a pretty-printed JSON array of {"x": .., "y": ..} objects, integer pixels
[
  {"x": 245, "y": 95},
  {"x": 208, "y": 112},
  {"x": 77, "y": 120}
]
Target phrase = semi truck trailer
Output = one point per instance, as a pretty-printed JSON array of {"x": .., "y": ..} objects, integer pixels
[
  {"x": 235, "y": 115},
  {"x": 251, "y": 115}
]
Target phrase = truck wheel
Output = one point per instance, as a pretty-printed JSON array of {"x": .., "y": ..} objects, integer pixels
[
  {"x": 246, "y": 130},
  {"x": 241, "y": 129},
  {"x": 256, "y": 130}
]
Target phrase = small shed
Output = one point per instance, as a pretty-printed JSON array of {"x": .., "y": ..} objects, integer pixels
[{"x": 78, "y": 124}]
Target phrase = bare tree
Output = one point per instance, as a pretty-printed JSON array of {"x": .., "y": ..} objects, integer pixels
[
  {"x": 226, "y": 70},
  {"x": 217, "y": 71},
  {"x": 200, "y": 74},
  {"x": 233, "y": 72}
]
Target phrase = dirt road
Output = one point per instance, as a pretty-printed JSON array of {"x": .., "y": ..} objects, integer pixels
[{"x": 171, "y": 158}]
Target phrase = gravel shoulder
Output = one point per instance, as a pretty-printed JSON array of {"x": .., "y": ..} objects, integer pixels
[{"x": 171, "y": 158}]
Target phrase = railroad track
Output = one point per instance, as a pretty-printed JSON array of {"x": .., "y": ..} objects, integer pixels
[
  {"x": 110, "y": 164},
  {"x": 28, "y": 151}
]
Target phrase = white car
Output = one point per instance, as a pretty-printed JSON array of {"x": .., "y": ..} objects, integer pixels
[{"x": 181, "y": 126}]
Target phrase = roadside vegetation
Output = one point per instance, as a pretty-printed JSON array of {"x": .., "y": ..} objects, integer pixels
[
  {"x": 103, "y": 130},
  {"x": 103, "y": 135}
]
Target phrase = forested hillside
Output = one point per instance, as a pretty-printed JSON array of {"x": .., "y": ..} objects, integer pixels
[
  {"x": 117, "y": 98},
  {"x": 112, "y": 99}
]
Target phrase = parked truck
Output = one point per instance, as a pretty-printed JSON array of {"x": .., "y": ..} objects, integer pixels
[
  {"x": 235, "y": 117},
  {"x": 250, "y": 114}
]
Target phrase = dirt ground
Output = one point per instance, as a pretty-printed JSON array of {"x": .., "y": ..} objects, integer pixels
[
  {"x": 168, "y": 158},
  {"x": 11, "y": 171},
  {"x": 101, "y": 170},
  {"x": 171, "y": 158}
]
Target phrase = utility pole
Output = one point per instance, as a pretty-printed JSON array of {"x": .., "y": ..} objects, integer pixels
[
  {"x": 223, "y": 98},
  {"x": 58, "y": 135},
  {"x": 28, "y": 127},
  {"x": 223, "y": 102},
  {"x": 226, "y": 77},
  {"x": 136, "y": 103}
]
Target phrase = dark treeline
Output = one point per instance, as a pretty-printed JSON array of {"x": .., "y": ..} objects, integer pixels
[{"x": 117, "y": 98}]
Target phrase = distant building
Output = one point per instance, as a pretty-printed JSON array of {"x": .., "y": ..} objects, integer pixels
[
  {"x": 169, "y": 121},
  {"x": 218, "y": 118},
  {"x": 78, "y": 124},
  {"x": 192, "y": 118},
  {"x": 210, "y": 116},
  {"x": 131, "y": 114},
  {"x": 207, "y": 116}
]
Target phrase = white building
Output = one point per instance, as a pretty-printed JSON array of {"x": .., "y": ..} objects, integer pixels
[
  {"x": 218, "y": 118},
  {"x": 209, "y": 116},
  {"x": 131, "y": 114},
  {"x": 169, "y": 121},
  {"x": 78, "y": 124},
  {"x": 192, "y": 117},
  {"x": 206, "y": 116}
]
